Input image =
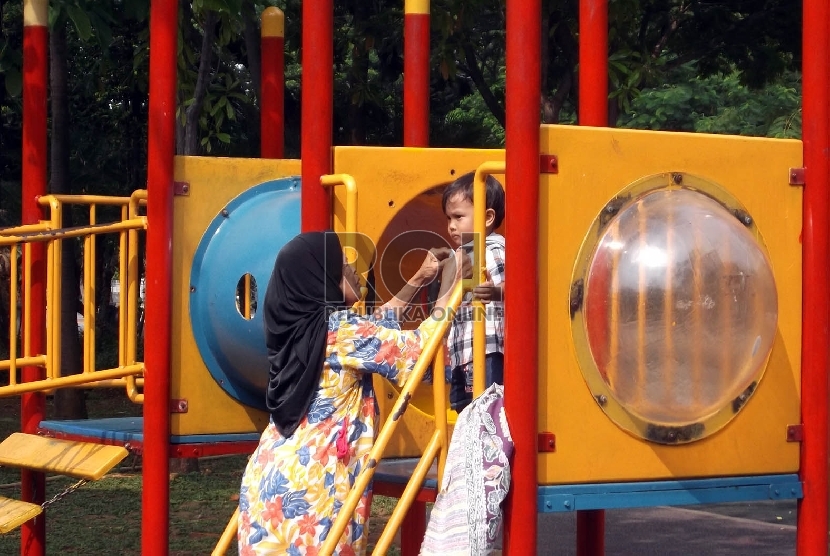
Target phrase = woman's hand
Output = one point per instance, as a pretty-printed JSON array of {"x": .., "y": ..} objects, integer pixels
[
  {"x": 456, "y": 268},
  {"x": 432, "y": 265}
]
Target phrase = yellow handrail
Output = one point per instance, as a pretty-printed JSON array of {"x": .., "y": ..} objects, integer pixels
[
  {"x": 346, "y": 180},
  {"x": 439, "y": 402},
  {"x": 227, "y": 535},
  {"x": 479, "y": 268},
  {"x": 50, "y": 232},
  {"x": 77, "y": 231},
  {"x": 13, "y": 319},
  {"x": 350, "y": 237},
  {"x": 71, "y": 380},
  {"x": 362, "y": 480},
  {"x": 133, "y": 286}
]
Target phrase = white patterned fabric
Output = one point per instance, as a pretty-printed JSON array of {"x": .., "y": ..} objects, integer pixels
[{"x": 467, "y": 515}]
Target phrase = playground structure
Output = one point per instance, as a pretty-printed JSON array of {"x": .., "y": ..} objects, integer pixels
[{"x": 593, "y": 330}]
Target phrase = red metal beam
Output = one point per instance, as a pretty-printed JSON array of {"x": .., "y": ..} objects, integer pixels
[
  {"x": 522, "y": 234},
  {"x": 811, "y": 536},
  {"x": 272, "y": 96},
  {"x": 593, "y": 62},
  {"x": 161, "y": 148},
  {"x": 35, "y": 82},
  {"x": 193, "y": 450},
  {"x": 316, "y": 117},
  {"x": 416, "y": 73},
  {"x": 593, "y": 111},
  {"x": 205, "y": 449}
]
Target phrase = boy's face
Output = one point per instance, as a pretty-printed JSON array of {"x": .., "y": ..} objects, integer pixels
[
  {"x": 350, "y": 283},
  {"x": 459, "y": 213}
]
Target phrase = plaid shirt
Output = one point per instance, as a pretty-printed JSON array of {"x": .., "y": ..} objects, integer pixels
[{"x": 460, "y": 338}]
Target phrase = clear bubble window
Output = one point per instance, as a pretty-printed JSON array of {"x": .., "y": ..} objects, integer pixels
[{"x": 678, "y": 312}]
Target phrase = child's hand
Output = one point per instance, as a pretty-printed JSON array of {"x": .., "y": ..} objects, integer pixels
[{"x": 486, "y": 291}]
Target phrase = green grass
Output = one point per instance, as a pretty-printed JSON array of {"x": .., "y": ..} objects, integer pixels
[{"x": 104, "y": 517}]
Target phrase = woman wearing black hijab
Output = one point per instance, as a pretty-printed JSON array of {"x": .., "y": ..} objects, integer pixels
[{"x": 320, "y": 396}]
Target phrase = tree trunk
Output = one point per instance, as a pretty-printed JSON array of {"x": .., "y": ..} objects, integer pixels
[
  {"x": 252, "y": 44},
  {"x": 194, "y": 111},
  {"x": 358, "y": 75},
  {"x": 69, "y": 402},
  {"x": 253, "y": 52}
]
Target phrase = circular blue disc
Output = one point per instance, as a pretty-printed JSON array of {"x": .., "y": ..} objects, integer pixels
[{"x": 243, "y": 239}]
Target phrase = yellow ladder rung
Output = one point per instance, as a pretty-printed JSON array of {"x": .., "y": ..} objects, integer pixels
[
  {"x": 14, "y": 513},
  {"x": 82, "y": 460}
]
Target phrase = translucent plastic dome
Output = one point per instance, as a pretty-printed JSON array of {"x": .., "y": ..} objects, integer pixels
[{"x": 680, "y": 308}]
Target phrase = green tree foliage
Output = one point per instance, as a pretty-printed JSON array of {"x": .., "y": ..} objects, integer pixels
[
  {"x": 719, "y": 104},
  {"x": 734, "y": 61}
]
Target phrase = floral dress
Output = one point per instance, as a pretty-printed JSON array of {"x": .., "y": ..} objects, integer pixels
[{"x": 294, "y": 487}]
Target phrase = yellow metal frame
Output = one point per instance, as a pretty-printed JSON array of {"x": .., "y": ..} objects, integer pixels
[
  {"x": 348, "y": 240},
  {"x": 479, "y": 268},
  {"x": 127, "y": 373}
]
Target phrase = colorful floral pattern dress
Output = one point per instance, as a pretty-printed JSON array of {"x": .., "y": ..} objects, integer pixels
[{"x": 293, "y": 487}]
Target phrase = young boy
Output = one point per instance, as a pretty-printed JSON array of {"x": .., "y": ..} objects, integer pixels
[{"x": 457, "y": 203}]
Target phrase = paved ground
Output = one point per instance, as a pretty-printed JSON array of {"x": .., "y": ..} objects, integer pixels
[{"x": 751, "y": 529}]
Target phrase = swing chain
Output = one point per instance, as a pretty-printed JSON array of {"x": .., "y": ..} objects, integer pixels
[{"x": 68, "y": 490}]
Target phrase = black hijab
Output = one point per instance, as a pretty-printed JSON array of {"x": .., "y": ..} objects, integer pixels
[{"x": 303, "y": 291}]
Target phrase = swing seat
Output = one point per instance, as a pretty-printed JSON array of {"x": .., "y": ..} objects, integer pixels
[
  {"x": 14, "y": 513},
  {"x": 82, "y": 460}
]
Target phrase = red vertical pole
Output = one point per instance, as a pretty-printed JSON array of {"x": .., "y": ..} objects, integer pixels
[
  {"x": 33, "y": 406},
  {"x": 521, "y": 339},
  {"x": 416, "y": 73},
  {"x": 811, "y": 536},
  {"x": 593, "y": 111},
  {"x": 272, "y": 97},
  {"x": 593, "y": 62},
  {"x": 161, "y": 148},
  {"x": 416, "y": 53},
  {"x": 316, "y": 117}
]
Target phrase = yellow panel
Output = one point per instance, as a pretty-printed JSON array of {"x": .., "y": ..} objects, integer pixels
[
  {"x": 83, "y": 460},
  {"x": 213, "y": 183},
  {"x": 14, "y": 513},
  {"x": 595, "y": 165},
  {"x": 399, "y": 190}
]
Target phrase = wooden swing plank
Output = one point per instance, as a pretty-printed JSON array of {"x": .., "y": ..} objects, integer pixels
[
  {"x": 82, "y": 460},
  {"x": 14, "y": 513}
]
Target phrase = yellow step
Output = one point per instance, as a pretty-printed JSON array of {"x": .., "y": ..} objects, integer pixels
[
  {"x": 83, "y": 460},
  {"x": 14, "y": 513}
]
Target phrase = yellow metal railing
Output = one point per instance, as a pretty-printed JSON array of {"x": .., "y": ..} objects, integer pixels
[
  {"x": 479, "y": 266},
  {"x": 128, "y": 370}
]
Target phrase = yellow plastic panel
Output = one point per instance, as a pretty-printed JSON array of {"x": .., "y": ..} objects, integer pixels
[
  {"x": 213, "y": 183},
  {"x": 398, "y": 191},
  {"x": 82, "y": 460},
  {"x": 14, "y": 513},
  {"x": 595, "y": 164}
]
